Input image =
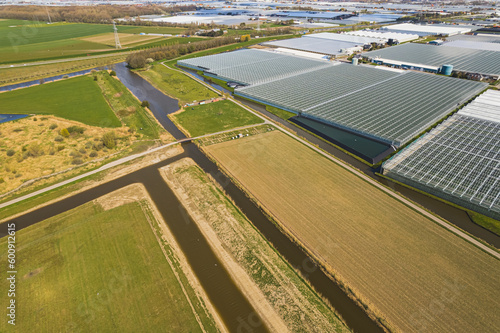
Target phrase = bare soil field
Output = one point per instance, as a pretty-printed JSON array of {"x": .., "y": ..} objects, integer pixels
[
  {"x": 278, "y": 294},
  {"x": 411, "y": 273}
]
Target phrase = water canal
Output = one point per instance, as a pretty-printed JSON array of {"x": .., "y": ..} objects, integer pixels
[{"x": 228, "y": 300}]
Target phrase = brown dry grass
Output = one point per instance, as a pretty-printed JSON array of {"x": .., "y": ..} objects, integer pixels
[
  {"x": 25, "y": 134},
  {"x": 277, "y": 293},
  {"x": 415, "y": 274},
  {"x": 125, "y": 39}
]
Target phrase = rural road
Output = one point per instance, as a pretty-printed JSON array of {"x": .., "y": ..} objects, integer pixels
[{"x": 347, "y": 167}]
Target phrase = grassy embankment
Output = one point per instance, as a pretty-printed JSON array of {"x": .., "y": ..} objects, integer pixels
[
  {"x": 101, "y": 270},
  {"x": 78, "y": 99},
  {"x": 128, "y": 108},
  {"x": 29, "y": 73},
  {"x": 176, "y": 84},
  {"x": 88, "y": 119},
  {"x": 213, "y": 117},
  {"x": 292, "y": 299},
  {"x": 391, "y": 258},
  {"x": 22, "y": 41}
]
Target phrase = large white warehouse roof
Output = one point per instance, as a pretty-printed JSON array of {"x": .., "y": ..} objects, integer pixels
[
  {"x": 429, "y": 29},
  {"x": 346, "y": 38},
  {"x": 385, "y": 35}
]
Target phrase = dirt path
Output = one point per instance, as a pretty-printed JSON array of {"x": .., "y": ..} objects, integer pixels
[{"x": 256, "y": 297}]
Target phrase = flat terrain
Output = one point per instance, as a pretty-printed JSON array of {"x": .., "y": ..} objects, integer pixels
[
  {"x": 37, "y": 141},
  {"x": 176, "y": 84},
  {"x": 99, "y": 268},
  {"x": 28, "y": 73},
  {"x": 285, "y": 299},
  {"x": 214, "y": 117},
  {"x": 77, "y": 99},
  {"x": 30, "y": 40},
  {"x": 408, "y": 270}
]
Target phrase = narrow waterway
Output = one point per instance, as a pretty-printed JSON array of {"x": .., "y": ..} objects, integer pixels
[{"x": 228, "y": 300}]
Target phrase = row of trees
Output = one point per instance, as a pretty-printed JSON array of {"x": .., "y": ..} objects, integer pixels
[
  {"x": 140, "y": 59},
  {"x": 87, "y": 14}
]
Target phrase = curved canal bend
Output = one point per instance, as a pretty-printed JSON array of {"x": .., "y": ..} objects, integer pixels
[{"x": 228, "y": 300}]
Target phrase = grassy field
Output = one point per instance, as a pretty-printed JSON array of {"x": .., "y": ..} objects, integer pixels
[
  {"x": 92, "y": 269},
  {"x": 214, "y": 117},
  {"x": 128, "y": 108},
  {"x": 297, "y": 305},
  {"x": 36, "y": 141},
  {"x": 486, "y": 222},
  {"x": 31, "y": 40},
  {"x": 28, "y": 73},
  {"x": 407, "y": 269},
  {"x": 176, "y": 85},
  {"x": 77, "y": 99}
]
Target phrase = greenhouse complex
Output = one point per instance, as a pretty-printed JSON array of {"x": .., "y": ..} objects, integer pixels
[
  {"x": 459, "y": 160},
  {"x": 386, "y": 105}
]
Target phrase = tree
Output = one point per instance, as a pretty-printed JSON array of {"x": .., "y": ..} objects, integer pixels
[
  {"x": 64, "y": 132},
  {"x": 112, "y": 73},
  {"x": 145, "y": 104},
  {"x": 245, "y": 38}
]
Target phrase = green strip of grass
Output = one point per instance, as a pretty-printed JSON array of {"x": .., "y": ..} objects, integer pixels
[
  {"x": 486, "y": 222},
  {"x": 176, "y": 85},
  {"x": 285, "y": 115},
  {"x": 92, "y": 270},
  {"x": 77, "y": 99},
  {"x": 214, "y": 117},
  {"x": 127, "y": 107}
]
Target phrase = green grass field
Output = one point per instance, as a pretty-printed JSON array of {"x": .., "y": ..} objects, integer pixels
[
  {"x": 214, "y": 117},
  {"x": 91, "y": 270},
  {"x": 285, "y": 115},
  {"x": 32, "y": 40},
  {"x": 77, "y": 99},
  {"x": 127, "y": 107},
  {"x": 176, "y": 85}
]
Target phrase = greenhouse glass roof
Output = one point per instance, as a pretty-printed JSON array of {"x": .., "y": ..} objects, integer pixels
[
  {"x": 462, "y": 59},
  {"x": 251, "y": 66},
  {"x": 391, "y": 107},
  {"x": 459, "y": 160}
]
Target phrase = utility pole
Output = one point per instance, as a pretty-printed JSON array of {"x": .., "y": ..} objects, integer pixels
[{"x": 117, "y": 40}]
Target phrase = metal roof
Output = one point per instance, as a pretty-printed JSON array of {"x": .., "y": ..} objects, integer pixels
[
  {"x": 346, "y": 38},
  {"x": 462, "y": 59},
  {"x": 316, "y": 45},
  {"x": 385, "y": 35},
  {"x": 486, "y": 106},
  {"x": 429, "y": 29},
  {"x": 473, "y": 45}
]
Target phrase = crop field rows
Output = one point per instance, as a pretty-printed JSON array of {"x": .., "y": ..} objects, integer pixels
[{"x": 394, "y": 259}]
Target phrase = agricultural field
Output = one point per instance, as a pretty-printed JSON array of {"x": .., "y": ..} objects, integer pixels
[
  {"x": 213, "y": 117},
  {"x": 176, "y": 84},
  {"x": 412, "y": 274},
  {"x": 78, "y": 99},
  {"x": 142, "y": 288},
  {"x": 31, "y": 40},
  {"x": 288, "y": 300}
]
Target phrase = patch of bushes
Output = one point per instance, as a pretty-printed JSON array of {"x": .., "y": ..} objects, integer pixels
[
  {"x": 10, "y": 152},
  {"x": 53, "y": 126},
  {"x": 77, "y": 161},
  {"x": 145, "y": 104},
  {"x": 35, "y": 150},
  {"x": 93, "y": 154},
  {"x": 64, "y": 132},
  {"x": 97, "y": 146},
  {"x": 17, "y": 129},
  {"x": 58, "y": 138},
  {"x": 60, "y": 147},
  {"x": 112, "y": 73},
  {"x": 82, "y": 151},
  {"x": 109, "y": 140},
  {"x": 76, "y": 130}
]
